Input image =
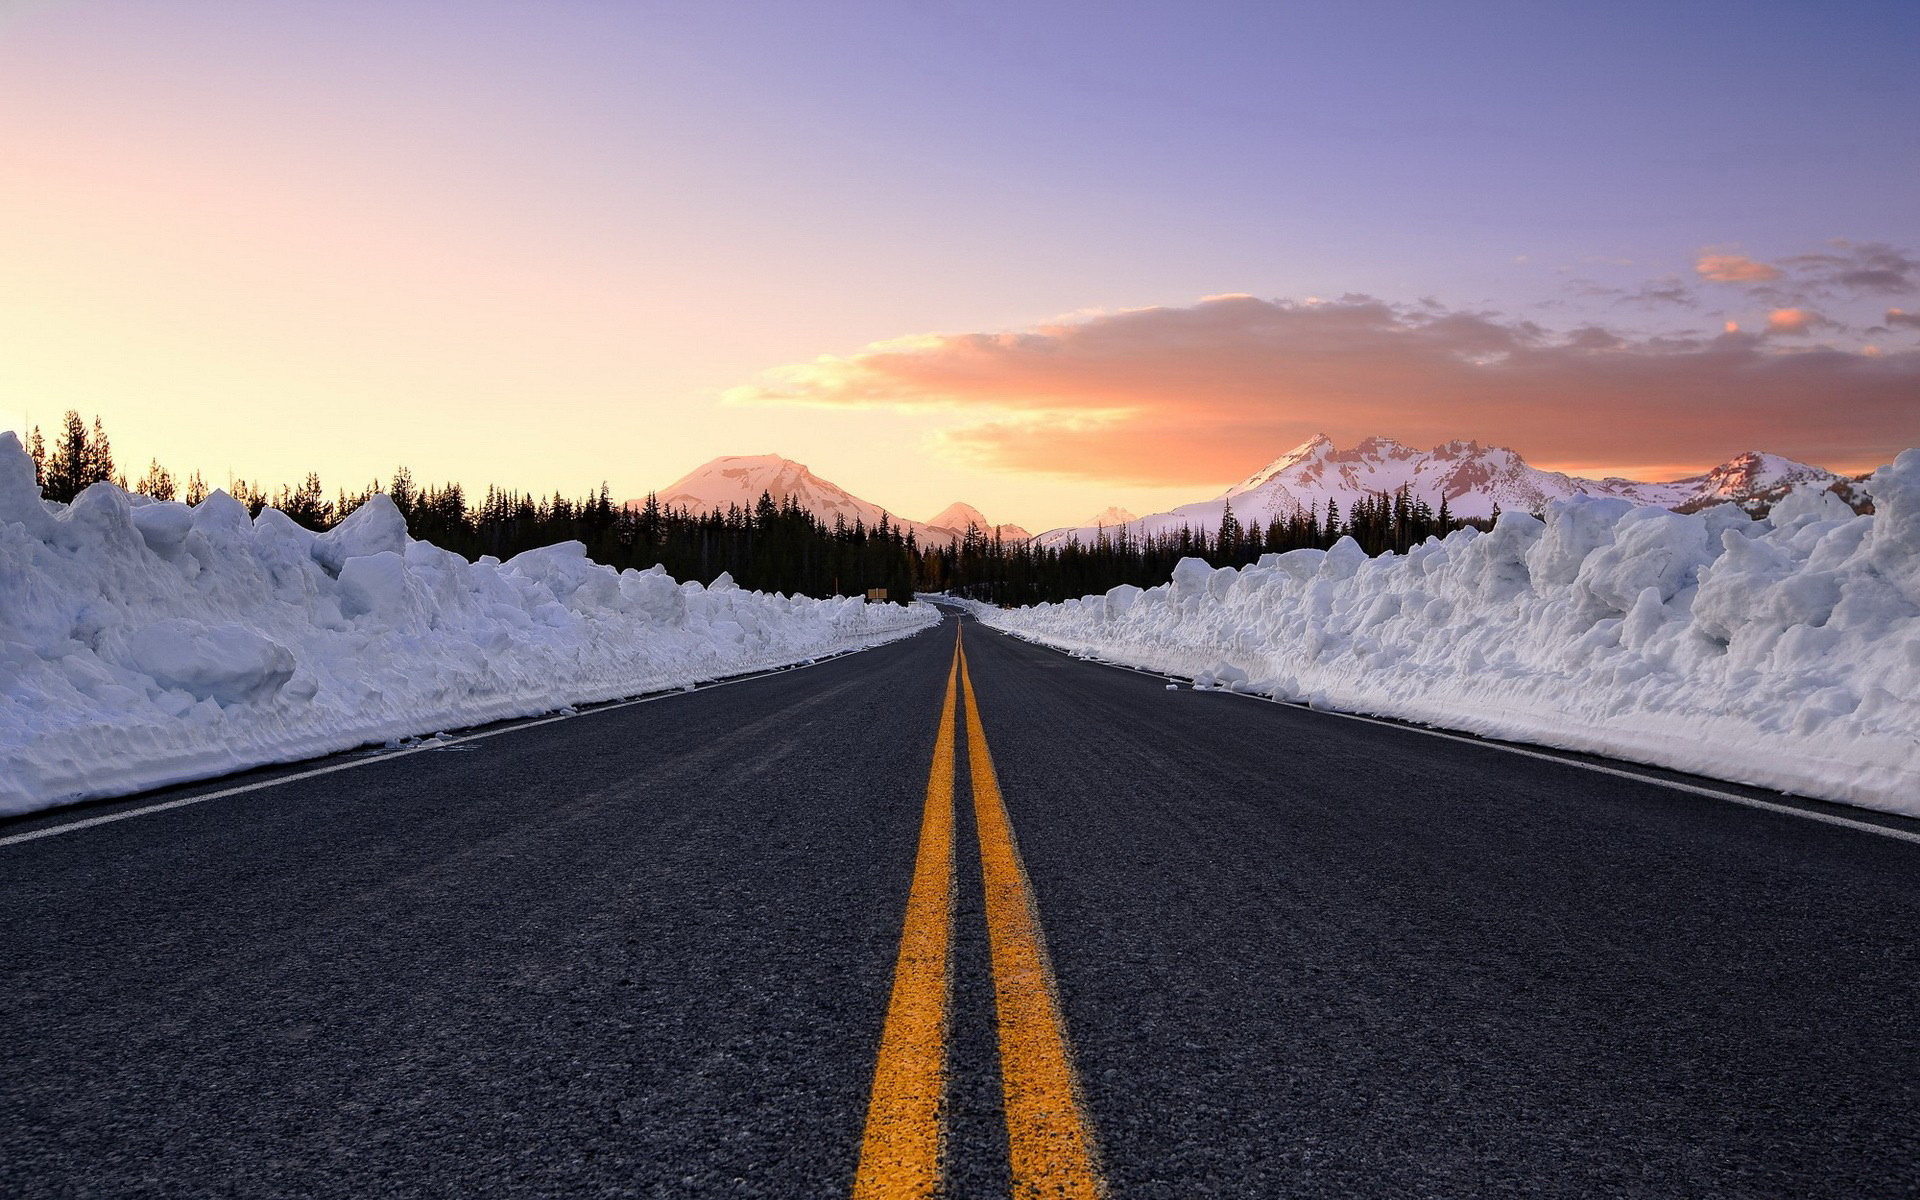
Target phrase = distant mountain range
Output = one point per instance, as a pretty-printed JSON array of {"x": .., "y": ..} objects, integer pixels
[
  {"x": 1471, "y": 478},
  {"x": 741, "y": 479}
]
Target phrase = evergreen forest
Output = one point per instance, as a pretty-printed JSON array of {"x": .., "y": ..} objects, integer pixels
[{"x": 772, "y": 546}]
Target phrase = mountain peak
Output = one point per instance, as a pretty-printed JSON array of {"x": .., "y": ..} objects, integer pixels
[
  {"x": 1317, "y": 446},
  {"x": 955, "y": 518},
  {"x": 1110, "y": 516},
  {"x": 957, "y": 515},
  {"x": 1378, "y": 447},
  {"x": 739, "y": 480}
]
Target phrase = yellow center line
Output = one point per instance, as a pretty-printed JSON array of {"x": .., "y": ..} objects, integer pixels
[
  {"x": 900, "y": 1151},
  {"x": 1050, "y": 1142}
]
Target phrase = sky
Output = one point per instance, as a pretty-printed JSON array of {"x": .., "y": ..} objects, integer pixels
[{"x": 1039, "y": 257}]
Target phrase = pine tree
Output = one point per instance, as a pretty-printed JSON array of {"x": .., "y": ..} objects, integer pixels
[
  {"x": 68, "y": 464},
  {"x": 99, "y": 457},
  {"x": 37, "y": 450},
  {"x": 306, "y": 504},
  {"x": 157, "y": 483},
  {"x": 401, "y": 491},
  {"x": 1229, "y": 532}
]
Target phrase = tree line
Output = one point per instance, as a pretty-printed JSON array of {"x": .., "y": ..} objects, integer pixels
[
  {"x": 1018, "y": 573},
  {"x": 771, "y": 546}
]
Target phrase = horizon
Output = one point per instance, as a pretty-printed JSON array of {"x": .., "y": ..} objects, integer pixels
[
  {"x": 132, "y": 470},
  {"x": 542, "y": 247}
]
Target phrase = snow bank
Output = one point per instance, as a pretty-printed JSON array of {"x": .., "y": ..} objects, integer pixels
[
  {"x": 144, "y": 644},
  {"x": 1783, "y": 652}
]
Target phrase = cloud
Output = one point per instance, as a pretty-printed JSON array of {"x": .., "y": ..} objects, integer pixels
[
  {"x": 1796, "y": 322},
  {"x": 1790, "y": 320},
  {"x": 1898, "y": 318},
  {"x": 1657, "y": 293},
  {"x": 1734, "y": 268},
  {"x": 1873, "y": 267},
  {"x": 1193, "y": 395}
]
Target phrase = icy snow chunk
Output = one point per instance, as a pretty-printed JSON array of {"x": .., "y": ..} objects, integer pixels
[
  {"x": 1724, "y": 518},
  {"x": 569, "y": 575},
  {"x": 164, "y": 526},
  {"x": 1342, "y": 560},
  {"x": 1806, "y": 502},
  {"x": 1120, "y": 598},
  {"x": 374, "y": 585},
  {"x": 1221, "y": 582},
  {"x": 1894, "y": 544},
  {"x": 654, "y": 593},
  {"x": 1222, "y": 675},
  {"x": 1296, "y": 565},
  {"x": 223, "y": 520},
  {"x": 373, "y": 528},
  {"x": 1190, "y": 578},
  {"x": 20, "y": 500},
  {"x": 1576, "y": 527},
  {"x": 228, "y": 664},
  {"x": 1652, "y": 548}
]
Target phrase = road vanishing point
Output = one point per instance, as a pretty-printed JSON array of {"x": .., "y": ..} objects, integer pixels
[{"x": 958, "y": 916}]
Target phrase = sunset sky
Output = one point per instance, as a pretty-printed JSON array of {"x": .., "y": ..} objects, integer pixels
[{"x": 1040, "y": 257}]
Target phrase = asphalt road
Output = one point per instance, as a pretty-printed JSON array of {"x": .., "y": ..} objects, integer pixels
[{"x": 649, "y": 951}]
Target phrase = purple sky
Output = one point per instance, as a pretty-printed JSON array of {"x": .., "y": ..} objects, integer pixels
[{"x": 392, "y": 231}]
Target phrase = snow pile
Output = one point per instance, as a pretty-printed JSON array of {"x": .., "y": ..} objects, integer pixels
[
  {"x": 1783, "y": 652},
  {"x": 143, "y": 643}
]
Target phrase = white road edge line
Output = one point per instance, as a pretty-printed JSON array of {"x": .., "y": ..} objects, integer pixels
[
  {"x": 430, "y": 744},
  {"x": 1713, "y": 793}
]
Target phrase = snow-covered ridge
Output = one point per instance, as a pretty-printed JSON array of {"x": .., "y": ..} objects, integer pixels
[
  {"x": 740, "y": 480},
  {"x": 1469, "y": 477},
  {"x": 955, "y": 518},
  {"x": 1782, "y": 651},
  {"x": 144, "y": 644}
]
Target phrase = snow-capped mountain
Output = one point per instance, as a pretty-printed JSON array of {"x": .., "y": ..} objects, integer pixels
[
  {"x": 1109, "y": 516},
  {"x": 740, "y": 479},
  {"x": 1471, "y": 478},
  {"x": 957, "y": 516},
  {"x": 1752, "y": 480}
]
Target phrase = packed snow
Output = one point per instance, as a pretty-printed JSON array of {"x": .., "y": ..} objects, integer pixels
[
  {"x": 147, "y": 643},
  {"x": 1783, "y": 652}
]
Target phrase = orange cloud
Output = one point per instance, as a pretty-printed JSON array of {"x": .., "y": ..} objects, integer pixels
[
  {"x": 1790, "y": 320},
  {"x": 1734, "y": 268},
  {"x": 1197, "y": 394}
]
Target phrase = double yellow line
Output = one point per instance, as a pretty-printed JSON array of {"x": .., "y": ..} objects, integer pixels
[{"x": 1050, "y": 1145}]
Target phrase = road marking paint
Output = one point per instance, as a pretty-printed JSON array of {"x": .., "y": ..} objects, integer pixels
[
  {"x": 1050, "y": 1142},
  {"x": 430, "y": 744},
  {"x": 900, "y": 1151}
]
